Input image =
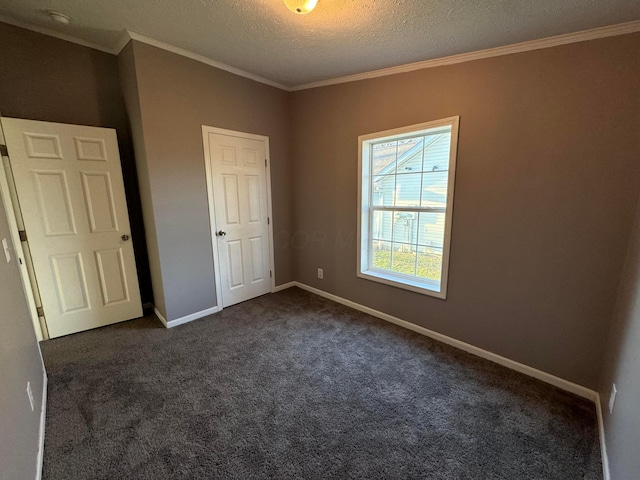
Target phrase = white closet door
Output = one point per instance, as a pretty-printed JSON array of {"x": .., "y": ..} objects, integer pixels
[{"x": 71, "y": 193}]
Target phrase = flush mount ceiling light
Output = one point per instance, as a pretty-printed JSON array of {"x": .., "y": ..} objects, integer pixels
[
  {"x": 301, "y": 7},
  {"x": 59, "y": 17}
]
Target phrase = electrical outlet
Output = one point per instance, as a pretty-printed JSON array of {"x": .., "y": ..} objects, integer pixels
[
  {"x": 7, "y": 253},
  {"x": 320, "y": 274},
  {"x": 30, "y": 394},
  {"x": 612, "y": 398}
]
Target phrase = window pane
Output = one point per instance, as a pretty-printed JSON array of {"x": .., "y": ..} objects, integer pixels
[
  {"x": 382, "y": 225},
  {"x": 434, "y": 189},
  {"x": 404, "y": 155},
  {"x": 408, "y": 144},
  {"x": 384, "y": 158},
  {"x": 403, "y": 259},
  {"x": 405, "y": 227},
  {"x": 430, "y": 228},
  {"x": 410, "y": 155},
  {"x": 383, "y": 189},
  {"x": 436, "y": 152},
  {"x": 381, "y": 255},
  {"x": 429, "y": 263},
  {"x": 408, "y": 189}
]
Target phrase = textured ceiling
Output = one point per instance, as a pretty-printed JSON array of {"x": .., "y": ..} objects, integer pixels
[{"x": 340, "y": 37}]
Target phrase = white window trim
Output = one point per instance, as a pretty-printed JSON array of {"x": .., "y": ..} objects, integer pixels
[{"x": 364, "y": 198}]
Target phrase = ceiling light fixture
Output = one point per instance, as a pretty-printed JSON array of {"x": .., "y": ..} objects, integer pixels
[
  {"x": 301, "y": 7},
  {"x": 59, "y": 17}
]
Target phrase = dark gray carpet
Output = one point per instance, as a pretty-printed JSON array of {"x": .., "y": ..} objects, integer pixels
[{"x": 291, "y": 385}]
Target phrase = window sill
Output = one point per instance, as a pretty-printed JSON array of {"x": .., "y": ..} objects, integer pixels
[{"x": 431, "y": 289}]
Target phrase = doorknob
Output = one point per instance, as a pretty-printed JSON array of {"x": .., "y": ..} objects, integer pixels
[
  {"x": 221, "y": 233},
  {"x": 125, "y": 237}
]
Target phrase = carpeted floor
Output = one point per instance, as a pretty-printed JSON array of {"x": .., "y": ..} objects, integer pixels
[{"x": 291, "y": 385}]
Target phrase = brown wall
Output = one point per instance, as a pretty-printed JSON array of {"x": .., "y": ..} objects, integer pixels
[
  {"x": 176, "y": 97},
  {"x": 44, "y": 78},
  {"x": 131, "y": 94},
  {"x": 547, "y": 178}
]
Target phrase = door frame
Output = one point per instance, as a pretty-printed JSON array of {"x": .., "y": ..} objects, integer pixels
[
  {"x": 206, "y": 130},
  {"x": 12, "y": 209}
]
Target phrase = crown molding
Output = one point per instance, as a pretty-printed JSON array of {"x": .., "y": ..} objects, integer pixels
[
  {"x": 582, "y": 36},
  {"x": 122, "y": 42},
  {"x": 52, "y": 33},
  {"x": 199, "y": 58}
]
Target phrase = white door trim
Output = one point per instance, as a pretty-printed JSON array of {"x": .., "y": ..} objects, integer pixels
[
  {"x": 206, "y": 130},
  {"x": 11, "y": 212}
]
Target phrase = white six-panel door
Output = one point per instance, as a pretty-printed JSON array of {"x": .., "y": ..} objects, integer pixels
[
  {"x": 238, "y": 180},
  {"x": 71, "y": 194}
]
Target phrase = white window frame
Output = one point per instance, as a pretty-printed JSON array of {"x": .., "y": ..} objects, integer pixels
[{"x": 399, "y": 280}]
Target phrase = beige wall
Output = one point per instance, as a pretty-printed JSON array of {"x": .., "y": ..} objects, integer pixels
[
  {"x": 176, "y": 97},
  {"x": 547, "y": 178}
]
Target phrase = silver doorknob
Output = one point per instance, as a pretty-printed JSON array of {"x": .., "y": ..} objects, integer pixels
[
  {"x": 221, "y": 233},
  {"x": 125, "y": 237}
]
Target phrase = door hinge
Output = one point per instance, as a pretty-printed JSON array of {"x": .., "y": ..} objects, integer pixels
[
  {"x": 270, "y": 274},
  {"x": 268, "y": 221},
  {"x": 265, "y": 162},
  {"x": 4, "y": 151},
  {"x": 40, "y": 311},
  {"x": 23, "y": 235}
]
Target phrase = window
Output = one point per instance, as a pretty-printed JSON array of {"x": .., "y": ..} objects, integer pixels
[{"x": 406, "y": 199}]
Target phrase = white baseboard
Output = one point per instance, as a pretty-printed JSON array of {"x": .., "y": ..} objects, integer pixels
[
  {"x": 43, "y": 419},
  {"x": 160, "y": 317},
  {"x": 479, "y": 352},
  {"x": 603, "y": 444},
  {"x": 185, "y": 319},
  {"x": 284, "y": 286}
]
